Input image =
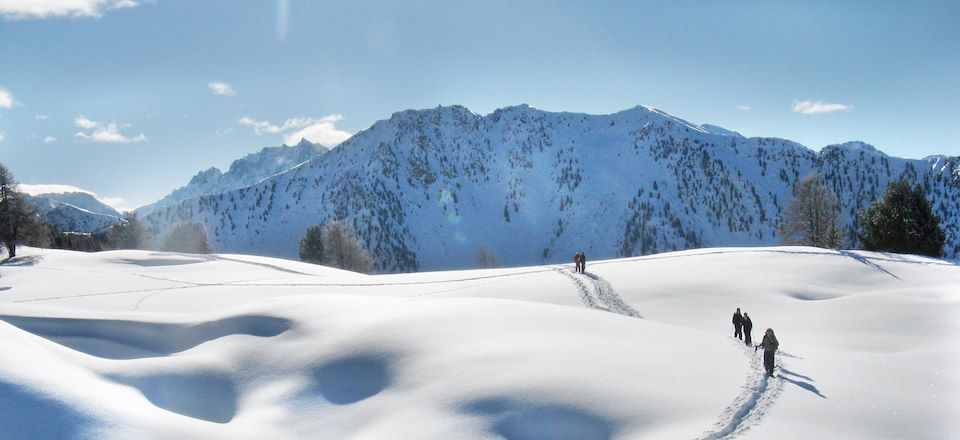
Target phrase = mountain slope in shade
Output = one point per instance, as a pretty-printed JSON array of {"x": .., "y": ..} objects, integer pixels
[
  {"x": 425, "y": 189},
  {"x": 73, "y": 211},
  {"x": 247, "y": 171}
]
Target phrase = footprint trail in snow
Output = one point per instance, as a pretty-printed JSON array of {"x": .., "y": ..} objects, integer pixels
[{"x": 747, "y": 409}]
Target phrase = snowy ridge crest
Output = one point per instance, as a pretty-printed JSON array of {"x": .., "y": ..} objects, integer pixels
[{"x": 426, "y": 188}]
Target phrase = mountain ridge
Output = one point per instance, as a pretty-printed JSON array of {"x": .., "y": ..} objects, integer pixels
[{"x": 426, "y": 188}]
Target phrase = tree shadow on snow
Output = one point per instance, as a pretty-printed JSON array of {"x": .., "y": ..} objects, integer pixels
[
  {"x": 30, "y": 415},
  {"x": 863, "y": 260},
  {"x": 515, "y": 420},
  {"x": 352, "y": 379},
  {"x": 119, "y": 339},
  {"x": 30, "y": 260}
]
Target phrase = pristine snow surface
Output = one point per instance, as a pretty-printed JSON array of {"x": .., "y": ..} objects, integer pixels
[{"x": 140, "y": 344}]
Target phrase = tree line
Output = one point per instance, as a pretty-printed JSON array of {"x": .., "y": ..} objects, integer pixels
[
  {"x": 901, "y": 222},
  {"x": 20, "y": 225}
]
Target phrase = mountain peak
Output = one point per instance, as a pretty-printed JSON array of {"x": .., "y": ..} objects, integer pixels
[{"x": 855, "y": 146}]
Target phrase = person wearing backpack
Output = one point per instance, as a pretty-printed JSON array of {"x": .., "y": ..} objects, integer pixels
[
  {"x": 747, "y": 330},
  {"x": 770, "y": 346},
  {"x": 738, "y": 325}
]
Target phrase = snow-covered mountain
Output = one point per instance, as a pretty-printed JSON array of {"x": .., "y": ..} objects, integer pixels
[
  {"x": 426, "y": 188},
  {"x": 242, "y": 172},
  {"x": 73, "y": 211}
]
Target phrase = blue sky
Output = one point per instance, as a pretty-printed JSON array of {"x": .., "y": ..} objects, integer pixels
[{"x": 130, "y": 98}]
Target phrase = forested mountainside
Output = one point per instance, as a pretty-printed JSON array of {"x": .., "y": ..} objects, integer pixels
[{"x": 426, "y": 189}]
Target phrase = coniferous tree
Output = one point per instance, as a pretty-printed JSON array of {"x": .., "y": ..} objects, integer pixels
[
  {"x": 311, "y": 245},
  {"x": 903, "y": 222},
  {"x": 17, "y": 220},
  {"x": 189, "y": 237},
  {"x": 813, "y": 216},
  {"x": 342, "y": 248},
  {"x": 128, "y": 233},
  {"x": 486, "y": 258}
]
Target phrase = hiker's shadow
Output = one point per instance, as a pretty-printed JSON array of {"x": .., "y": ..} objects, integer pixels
[{"x": 807, "y": 386}]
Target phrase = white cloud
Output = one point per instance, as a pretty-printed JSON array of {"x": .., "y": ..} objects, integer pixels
[
  {"x": 26, "y": 9},
  {"x": 2, "y": 136},
  {"x": 322, "y": 131},
  {"x": 104, "y": 133},
  {"x": 113, "y": 202},
  {"x": 745, "y": 108},
  {"x": 83, "y": 122},
  {"x": 221, "y": 88},
  {"x": 6, "y": 98},
  {"x": 49, "y": 140},
  {"x": 817, "y": 107},
  {"x": 41, "y": 117}
]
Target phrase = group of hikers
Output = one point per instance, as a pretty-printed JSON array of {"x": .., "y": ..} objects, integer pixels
[
  {"x": 742, "y": 328},
  {"x": 580, "y": 262},
  {"x": 742, "y": 325}
]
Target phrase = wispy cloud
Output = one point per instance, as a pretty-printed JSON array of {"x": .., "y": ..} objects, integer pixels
[
  {"x": 117, "y": 203},
  {"x": 322, "y": 131},
  {"x": 49, "y": 140},
  {"x": 104, "y": 133},
  {"x": 221, "y": 88},
  {"x": 745, "y": 108},
  {"x": 41, "y": 117},
  {"x": 2, "y": 136},
  {"x": 817, "y": 107},
  {"x": 6, "y": 98},
  {"x": 283, "y": 19},
  {"x": 27, "y": 9}
]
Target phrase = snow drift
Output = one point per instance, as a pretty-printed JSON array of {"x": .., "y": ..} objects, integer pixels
[{"x": 137, "y": 344}]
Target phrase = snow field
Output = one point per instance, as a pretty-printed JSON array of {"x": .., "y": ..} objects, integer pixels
[{"x": 136, "y": 344}]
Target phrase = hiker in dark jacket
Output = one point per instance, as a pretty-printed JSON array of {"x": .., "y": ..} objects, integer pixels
[
  {"x": 583, "y": 262},
  {"x": 738, "y": 325},
  {"x": 770, "y": 346},
  {"x": 747, "y": 327}
]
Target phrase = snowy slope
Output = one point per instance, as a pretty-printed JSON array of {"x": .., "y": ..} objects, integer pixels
[
  {"x": 137, "y": 344},
  {"x": 243, "y": 172},
  {"x": 73, "y": 211},
  {"x": 427, "y": 188}
]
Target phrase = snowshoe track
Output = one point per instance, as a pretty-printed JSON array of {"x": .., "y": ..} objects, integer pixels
[
  {"x": 748, "y": 408},
  {"x": 752, "y": 404},
  {"x": 600, "y": 294}
]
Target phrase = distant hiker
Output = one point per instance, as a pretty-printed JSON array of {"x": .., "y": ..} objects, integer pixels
[
  {"x": 747, "y": 327},
  {"x": 770, "y": 346},
  {"x": 579, "y": 262},
  {"x": 738, "y": 325}
]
